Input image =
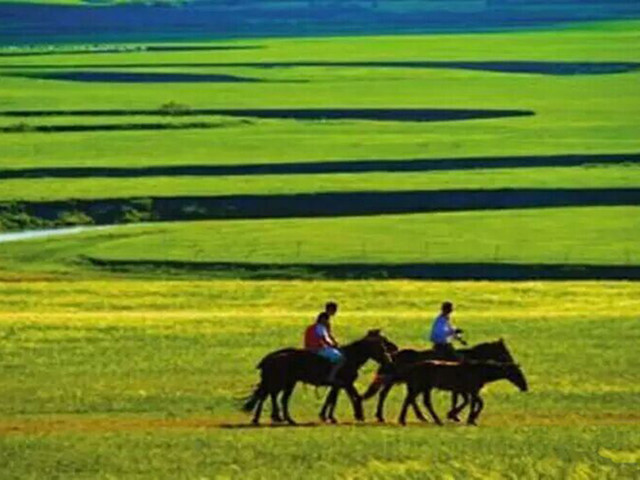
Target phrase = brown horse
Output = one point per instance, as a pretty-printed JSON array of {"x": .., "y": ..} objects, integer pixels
[
  {"x": 496, "y": 351},
  {"x": 280, "y": 372},
  {"x": 467, "y": 378}
]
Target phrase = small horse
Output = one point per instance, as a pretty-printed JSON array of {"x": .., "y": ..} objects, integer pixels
[
  {"x": 496, "y": 351},
  {"x": 282, "y": 370},
  {"x": 467, "y": 378}
]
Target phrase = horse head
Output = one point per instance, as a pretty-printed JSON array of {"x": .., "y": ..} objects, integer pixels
[
  {"x": 516, "y": 376},
  {"x": 379, "y": 347},
  {"x": 496, "y": 351}
]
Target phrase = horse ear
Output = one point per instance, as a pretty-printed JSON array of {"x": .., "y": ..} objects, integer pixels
[
  {"x": 373, "y": 333},
  {"x": 501, "y": 340}
]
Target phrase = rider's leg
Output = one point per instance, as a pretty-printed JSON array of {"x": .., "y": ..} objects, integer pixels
[{"x": 338, "y": 361}]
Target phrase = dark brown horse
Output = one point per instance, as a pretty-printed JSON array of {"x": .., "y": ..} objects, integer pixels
[
  {"x": 466, "y": 377},
  {"x": 280, "y": 372},
  {"x": 496, "y": 351}
]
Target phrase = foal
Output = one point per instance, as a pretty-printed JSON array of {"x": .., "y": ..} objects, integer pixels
[
  {"x": 496, "y": 351},
  {"x": 467, "y": 378}
]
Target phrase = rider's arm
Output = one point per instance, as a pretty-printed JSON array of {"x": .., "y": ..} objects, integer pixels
[
  {"x": 451, "y": 331},
  {"x": 323, "y": 335}
]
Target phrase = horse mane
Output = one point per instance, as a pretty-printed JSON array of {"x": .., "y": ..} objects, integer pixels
[{"x": 487, "y": 346}]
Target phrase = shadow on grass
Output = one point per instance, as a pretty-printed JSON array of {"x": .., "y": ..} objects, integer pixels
[
  {"x": 110, "y": 127},
  {"x": 375, "y": 114},
  {"x": 495, "y": 66},
  {"x": 330, "y": 204},
  {"x": 126, "y": 49},
  {"x": 373, "y": 271},
  {"x": 351, "y": 166},
  {"x": 143, "y": 77}
]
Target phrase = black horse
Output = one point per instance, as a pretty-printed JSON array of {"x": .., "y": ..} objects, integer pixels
[
  {"x": 282, "y": 370},
  {"x": 496, "y": 351},
  {"x": 466, "y": 377}
]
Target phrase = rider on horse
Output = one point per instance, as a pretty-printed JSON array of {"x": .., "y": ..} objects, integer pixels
[
  {"x": 443, "y": 333},
  {"x": 318, "y": 339}
]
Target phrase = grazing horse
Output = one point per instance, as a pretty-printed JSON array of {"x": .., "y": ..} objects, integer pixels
[
  {"x": 496, "y": 351},
  {"x": 282, "y": 370},
  {"x": 467, "y": 378}
]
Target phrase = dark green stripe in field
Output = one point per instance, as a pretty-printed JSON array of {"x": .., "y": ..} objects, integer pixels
[
  {"x": 351, "y": 166},
  {"x": 141, "y": 77},
  {"x": 497, "y": 66},
  {"x": 108, "y": 127},
  {"x": 379, "y": 114},
  {"x": 25, "y": 52},
  {"x": 108, "y": 211},
  {"x": 423, "y": 271}
]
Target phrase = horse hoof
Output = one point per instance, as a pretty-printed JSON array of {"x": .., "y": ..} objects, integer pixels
[
  {"x": 453, "y": 418},
  {"x": 277, "y": 420},
  {"x": 333, "y": 420},
  {"x": 255, "y": 423},
  {"x": 380, "y": 420}
]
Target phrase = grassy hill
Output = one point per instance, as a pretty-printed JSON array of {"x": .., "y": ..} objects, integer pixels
[{"x": 115, "y": 136}]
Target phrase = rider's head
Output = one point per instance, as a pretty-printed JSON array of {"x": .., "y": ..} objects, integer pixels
[
  {"x": 323, "y": 318},
  {"x": 447, "y": 308},
  {"x": 331, "y": 308}
]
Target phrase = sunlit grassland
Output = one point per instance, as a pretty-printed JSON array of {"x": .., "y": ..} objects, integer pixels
[
  {"x": 124, "y": 377},
  {"x": 574, "y": 114},
  {"x": 167, "y": 186},
  {"x": 584, "y": 235}
]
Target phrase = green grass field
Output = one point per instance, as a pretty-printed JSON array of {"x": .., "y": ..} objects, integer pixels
[
  {"x": 122, "y": 378},
  {"x": 116, "y": 373},
  {"x": 580, "y": 113},
  {"x": 607, "y": 239}
]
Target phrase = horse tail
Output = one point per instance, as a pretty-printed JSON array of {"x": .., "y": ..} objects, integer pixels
[
  {"x": 251, "y": 401},
  {"x": 378, "y": 382}
]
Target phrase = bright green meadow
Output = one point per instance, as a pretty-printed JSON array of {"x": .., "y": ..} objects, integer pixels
[
  {"x": 111, "y": 373},
  {"x": 125, "y": 378}
]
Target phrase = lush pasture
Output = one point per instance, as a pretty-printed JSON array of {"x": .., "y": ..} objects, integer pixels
[
  {"x": 168, "y": 186},
  {"x": 121, "y": 378},
  {"x": 547, "y": 236},
  {"x": 579, "y": 108},
  {"x": 105, "y": 375},
  {"x": 574, "y": 114}
]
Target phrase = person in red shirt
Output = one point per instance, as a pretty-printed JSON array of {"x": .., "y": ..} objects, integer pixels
[{"x": 318, "y": 339}]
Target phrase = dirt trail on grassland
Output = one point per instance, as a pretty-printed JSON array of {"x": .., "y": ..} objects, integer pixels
[{"x": 81, "y": 424}]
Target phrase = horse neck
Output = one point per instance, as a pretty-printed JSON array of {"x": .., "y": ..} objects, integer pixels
[
  {"x": 482, "y": 351},
  {"x": 356, "y": 354},
  {"x": 493, "y": 373}
]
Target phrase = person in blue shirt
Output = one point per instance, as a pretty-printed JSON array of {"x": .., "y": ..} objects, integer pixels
[{"x": 443, "y": 333}]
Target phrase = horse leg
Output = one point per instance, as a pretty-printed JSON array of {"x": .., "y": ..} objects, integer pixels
[
  {"x": 328, "y": 403},
  {"x": 381, "y": 399},
  {"x": 275, "y": 410},
  {"x": 452, "y": 415},
  {"x": 256, "y": 417},
  {"x": 332, "y": 407},
  {"x": 455, "y": 410},
  {"x": 411, "y": 397},
  {"x": 426, "y": 398},
  {"x": 418, "y": 412},
  {"x": 285, "y": 403},
  {"x": 356, "y": 401},
  {"x": 479, "y": 407},
  {"x": 471, "y": 420}
]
